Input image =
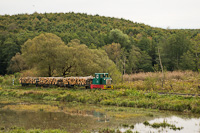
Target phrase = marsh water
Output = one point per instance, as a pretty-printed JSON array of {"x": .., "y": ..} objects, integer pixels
[{"x": 76, "y": 118}]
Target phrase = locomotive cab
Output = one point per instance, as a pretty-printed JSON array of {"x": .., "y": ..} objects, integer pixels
[{"x": 102, "y": 81}]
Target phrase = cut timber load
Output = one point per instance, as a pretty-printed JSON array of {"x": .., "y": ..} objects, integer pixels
[
  {"x": 76, "y": 80},
  {"x": 49, "y": 80},
  {"x": 28, "y": 80},
  {"x": 60, "y": 81}
]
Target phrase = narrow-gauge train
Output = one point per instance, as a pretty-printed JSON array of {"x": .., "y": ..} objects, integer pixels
[{"x": 101, "y": 80}]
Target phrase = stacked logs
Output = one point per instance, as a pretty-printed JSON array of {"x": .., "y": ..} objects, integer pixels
[
  {"x": 60, "y": 81},
  {"x": 49, "y": 80},
  {"x": 28, "y": 80},
  {"x": 76, "y": 80}
]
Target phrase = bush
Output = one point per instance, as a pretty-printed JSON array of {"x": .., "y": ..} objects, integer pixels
[
  {"x": 107, "y": 102},
  {"x": 131, "y": 104},
  {"x": 8, "y": 80},
  {"x": 69, "y": 98},
  {"x": 49, "y": 98},
  {"x": 124, "y": 103},
  {"x": 1, "y": 80}
]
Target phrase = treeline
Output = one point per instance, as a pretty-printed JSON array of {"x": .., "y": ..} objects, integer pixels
[{"x": 133, "y": 47}]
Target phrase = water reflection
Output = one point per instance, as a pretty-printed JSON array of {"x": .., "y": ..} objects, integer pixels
[
  {"x": 75, "y": 119},
  {"x": 189, "y": 125},
  {"x": 101, "y": 117}
]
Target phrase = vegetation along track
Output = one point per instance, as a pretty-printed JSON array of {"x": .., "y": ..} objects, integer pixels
[{"x": 178, "y": 94}]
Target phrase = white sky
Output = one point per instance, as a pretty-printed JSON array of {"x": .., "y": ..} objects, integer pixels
[{"x": 157, "y": 13}]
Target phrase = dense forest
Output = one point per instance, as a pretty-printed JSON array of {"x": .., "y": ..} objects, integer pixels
[{"x": 91, "y": 41}]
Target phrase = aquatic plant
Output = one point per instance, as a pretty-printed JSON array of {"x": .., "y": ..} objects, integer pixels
[
  {"x": 164, "y": 124},
  {"x": 132, "y": 126},
  {"x": 125, "y": 125},
  {"x": 146, "y": 123}
]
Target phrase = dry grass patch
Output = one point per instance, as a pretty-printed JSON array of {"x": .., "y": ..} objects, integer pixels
[
  {"x": 35, "y": 107},
  {"x": 178, "y": 75}
]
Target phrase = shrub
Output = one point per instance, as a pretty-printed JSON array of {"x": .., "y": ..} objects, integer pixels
[
  {"x": 49, "y": 98},
  {"x": 107, "y": 102},
  {"x": 1, "y": 80},
  {"x": 8, "y": 80},
  {"x": 124, "y": 103},
  {"x": 69, "y": 98},
  {"x": 131, "y": 104}
]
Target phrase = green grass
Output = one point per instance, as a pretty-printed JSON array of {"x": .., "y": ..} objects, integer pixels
[
  {"x": 22, "y": 130},
  {"x": 118, "y": 97}
]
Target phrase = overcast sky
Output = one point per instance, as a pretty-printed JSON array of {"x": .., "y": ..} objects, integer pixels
[{"x": 157, "y": 13}]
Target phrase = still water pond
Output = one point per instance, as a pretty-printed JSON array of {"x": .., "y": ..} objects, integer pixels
[{"x": 75, "y": 118}]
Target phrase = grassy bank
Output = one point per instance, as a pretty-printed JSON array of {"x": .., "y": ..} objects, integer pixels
[
  {"x": 118, "y": 97},
  {"x": 22, "y": 130},
  {"x": 138, "y": 90}
]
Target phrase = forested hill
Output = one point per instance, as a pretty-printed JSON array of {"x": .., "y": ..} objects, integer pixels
[
  {"x": 87, "y": 28},
  {"x": 137, "y": 40}
]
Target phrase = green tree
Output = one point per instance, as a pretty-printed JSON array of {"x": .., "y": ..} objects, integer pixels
[
  {"x": 104, "y": 64},
  {"x": 145, "y": 62},
  {"x": 138, "y": 61},
  {"x": 42, "y": 52},
  {"x": 79, "y": 60},
  {"x": 8, "y": 49},
  {"x": 134, "y": 60},
  {"x": 187, "y": 61},
  {"x": 114, "y": 52},
  {"x": 196, "y": 51},
  {"x": 17, "y": 64},
  {"x": 118, "y": 36},
  {"x": 173, "y": 48},
  {"x": 144, "y": 44}
]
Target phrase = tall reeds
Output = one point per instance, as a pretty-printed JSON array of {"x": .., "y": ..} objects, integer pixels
[{"x": 168, "y": 75}]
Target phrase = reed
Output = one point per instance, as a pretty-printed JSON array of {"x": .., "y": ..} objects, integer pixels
[{"x": 178, "y": 75}]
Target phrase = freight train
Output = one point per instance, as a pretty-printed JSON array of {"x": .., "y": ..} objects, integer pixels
[{"x": 101, "y": 80}]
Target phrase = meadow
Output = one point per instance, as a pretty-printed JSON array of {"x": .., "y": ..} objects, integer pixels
[
  {"x": 143, "y": 90},
  {"x": 184, "y": 82}
]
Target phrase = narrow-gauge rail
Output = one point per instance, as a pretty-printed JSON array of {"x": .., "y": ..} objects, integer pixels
[{"x": 101, "y": 80}]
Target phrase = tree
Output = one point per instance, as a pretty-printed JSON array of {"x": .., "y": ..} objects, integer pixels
[
  {"x": 114, "y": 52},
  {"x": 134, "y": 59},
  {"x": 8, "y": 49},
  {"x": 144, "y": 44},
  {"x": 17, "y": 64},
  {"x": 42, "y": 52},
  {"x": 118, "y": 36},
  {"x": 187, "y": 61},
  {"x": 196, "y": 51},
  {"x": 145, "y": 63},
  {"x": 79, "y": 60},
  {"x": 102, "y": 63},
  {"x": 173, "y": 48}
]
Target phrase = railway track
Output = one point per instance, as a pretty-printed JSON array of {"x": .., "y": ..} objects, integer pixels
[{"x": 178, "y": 94}]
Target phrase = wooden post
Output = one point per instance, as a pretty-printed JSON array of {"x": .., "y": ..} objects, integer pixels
[{"x": 161, "y": 66}]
